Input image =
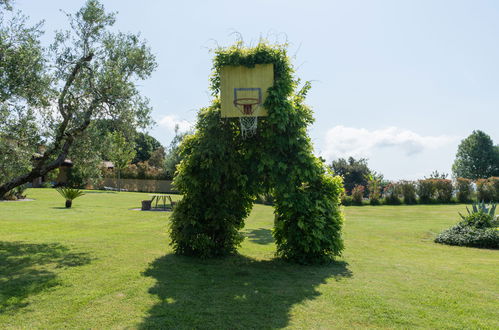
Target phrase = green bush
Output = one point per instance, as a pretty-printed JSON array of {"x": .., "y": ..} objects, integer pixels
[
  {"x": 221, "y": 172},
  {"x": 465, "y": 235},
  {"x": 426, "y": 191},
  {"x": 464, "y": 190},
  {"x": 391, "y": 194},
  {"x": 479, "y": 220},
  {"x": 16, "y": 193},
  {"x": 408, "y": 191},
  {"x": 478, "y": 228},
  {"x": 142, "y": 171},
  {"x": 265, "y": 199},
  {"x": 488, "y": 189},
  {"x": 443, "y": 190},
  {"x": 346, "y": 200},
  {"x": 358, "y": 194}
]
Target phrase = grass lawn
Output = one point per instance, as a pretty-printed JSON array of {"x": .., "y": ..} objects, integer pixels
[{"x": 102, "y": 265}]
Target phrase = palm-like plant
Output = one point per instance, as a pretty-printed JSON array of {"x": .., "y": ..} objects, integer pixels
[{"x": 69, "y": 194}]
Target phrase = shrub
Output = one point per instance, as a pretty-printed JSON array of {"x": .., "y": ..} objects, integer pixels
[
  {"x": 141, "y": 170},
  {"x": 443, "y": 190},
  {"x": 374, "y": 187},
  {"x": 464, "y": 190},
  {"x": 358, "y": 194},
  {"x": 488, "y": 189},
  {"x": 463, "y": 235},
  {"x": 346, "y": 200},
  {"x": 16, "y": 193},
  {"x": 408, "y": 191},
  {"x": 426, "y": 191},
  {"x": 391, "y": 194},
  {"x": 266, "y": 199},
  {"x": 69, "y": 194},
  {"x": 479, "y": 220},
  {"x": 477, "y": 229}
]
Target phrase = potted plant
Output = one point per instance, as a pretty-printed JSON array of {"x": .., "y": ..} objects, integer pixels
[{"x": 69, "y": 194}]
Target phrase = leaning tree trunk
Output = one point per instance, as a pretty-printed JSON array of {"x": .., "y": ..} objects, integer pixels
[
  {"x": 64, "y": 137},
  {"x": 38, "y": 171}
]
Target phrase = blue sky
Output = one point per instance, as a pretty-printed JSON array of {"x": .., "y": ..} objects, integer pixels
[{"x": 397, "y": 82}]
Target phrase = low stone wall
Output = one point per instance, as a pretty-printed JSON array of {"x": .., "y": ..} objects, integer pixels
[{"x": 157, "y": 186}]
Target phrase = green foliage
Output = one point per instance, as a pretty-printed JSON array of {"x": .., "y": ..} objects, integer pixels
[
  {"x": 16, "y": 193},
  {"x": 464, "y": 190},
  {"x": 354, "y": 172},
  {"x": 220, "y": 173},
  {"x": 121, "y": 152},
  {"x": 23, "y": 75},
  {"x": 479, "y": 220},
  {"x": 19, "y": 141},
  {"x": 145, "y": 146},
  {"x": 443, "y": 190},
  {"x": 463, "y": 235},
  {"x": 477, "y": 229},
  {"x": 173, "y": 156},
  {"x": 69, "y": 194},
  {"x": 408, "y": 191},
  {"x": 488, "y": 189},
  {"x": 391, "y": 194},
  {"x": 426, "y": 191},
  {"x": 374, "y": 187},
  {"x": 142, "y": 170},
  {"x": 346, "y": 200},
  {"x": 481, "y": 207},
  {"x": 358, "y": 194},
  {"x": 476, "y": 157},
  {"x": 94, "y": 73}
]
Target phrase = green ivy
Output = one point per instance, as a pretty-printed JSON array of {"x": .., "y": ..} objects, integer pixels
[{"x": 221, "y": 173}]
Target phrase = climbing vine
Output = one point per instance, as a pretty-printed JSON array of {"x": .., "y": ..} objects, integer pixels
[{"x": 221, "y": 173}]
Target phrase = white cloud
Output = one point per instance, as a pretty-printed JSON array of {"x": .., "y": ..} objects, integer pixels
[
  {"x": 344, "y": 141},
  {"x": 171, "y": 121}
]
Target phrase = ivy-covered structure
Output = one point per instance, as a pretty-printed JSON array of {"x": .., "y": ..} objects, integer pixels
[{"x": 221, "y": 173}]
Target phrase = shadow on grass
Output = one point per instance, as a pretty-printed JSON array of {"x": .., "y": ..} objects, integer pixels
[
  {"x": 27, "y": 269},
  {"x": 261, "y": 236},
  {"x": 231, "y": 293}
]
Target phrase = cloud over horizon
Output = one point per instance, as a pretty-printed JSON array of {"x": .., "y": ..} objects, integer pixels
[
  {"x": 171, "y": 121},
  {"x": 341, "y": 141}
]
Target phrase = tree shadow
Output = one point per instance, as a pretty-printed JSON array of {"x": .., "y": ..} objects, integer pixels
[
  {"x": 27, "y": 269},
  {"x": 261, "y": 236},
  {"x": 231, "y": 293}
]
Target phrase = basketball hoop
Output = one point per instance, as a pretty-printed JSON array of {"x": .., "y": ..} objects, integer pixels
[{"x": 248, "y": 106}]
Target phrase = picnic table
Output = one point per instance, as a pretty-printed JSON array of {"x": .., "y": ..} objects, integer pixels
[{"x": 161, "y": 200}]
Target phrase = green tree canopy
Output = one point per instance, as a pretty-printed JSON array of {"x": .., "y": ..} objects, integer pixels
[
  {"x": 354, "y": 172},
  {"x": 476, "y": 157},
  {"x": 93, "y": 75},
  {"x": 145, "y": 146}
]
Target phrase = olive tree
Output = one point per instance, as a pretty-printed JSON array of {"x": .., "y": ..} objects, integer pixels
[{"x": 93, "y": 76}]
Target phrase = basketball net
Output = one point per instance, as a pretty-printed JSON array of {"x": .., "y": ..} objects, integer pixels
[{"x": 248, "y": 120}]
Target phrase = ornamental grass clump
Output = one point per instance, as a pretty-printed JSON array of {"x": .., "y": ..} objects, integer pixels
[
  {"x": 479, "y": 228},
  {"x": 69, "y": 194}
]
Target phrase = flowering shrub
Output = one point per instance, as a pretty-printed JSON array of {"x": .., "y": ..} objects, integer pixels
[
  {"x": 358, "y": 194},
  {"x": 488, "y": 189}
]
